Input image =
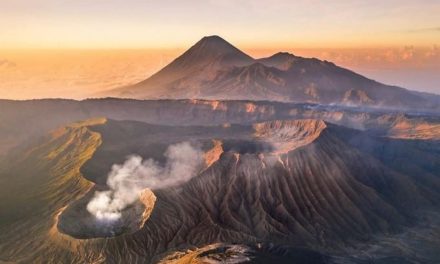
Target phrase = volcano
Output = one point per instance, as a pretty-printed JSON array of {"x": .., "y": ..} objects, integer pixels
[
  {"x": 279, "y": 182},
  {"x": 202, "y": 61},
  {"x": 215, "y": 69}
]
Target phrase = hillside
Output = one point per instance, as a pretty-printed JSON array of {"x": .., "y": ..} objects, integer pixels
[
  {"x": 36, "y": 185},
  {"x": 215, "y": 69}
]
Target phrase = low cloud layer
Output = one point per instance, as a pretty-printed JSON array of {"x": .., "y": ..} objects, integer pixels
[{"x": 127, "y": 180}]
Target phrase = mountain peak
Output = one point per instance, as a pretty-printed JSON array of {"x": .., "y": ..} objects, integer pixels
[
  {"x": 208, "y": 52},
  {"x": 214, "y": 47},
  {"x": 213, "y": 38},
  {"x": 208, "y": 55},
  {"x": 280, "y": 60},
  {"x": 284, "y": 55}
]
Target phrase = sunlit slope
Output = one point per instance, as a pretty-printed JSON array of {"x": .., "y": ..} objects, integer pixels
[{"x": 35, "y": 186}]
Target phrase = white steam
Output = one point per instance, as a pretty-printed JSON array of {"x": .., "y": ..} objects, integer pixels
[{"x": 126, "y": 181}]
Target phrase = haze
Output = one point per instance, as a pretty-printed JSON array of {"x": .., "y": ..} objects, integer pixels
[
  {"x": 73, "y": 49},
  {"x": 171, "y": 24}
]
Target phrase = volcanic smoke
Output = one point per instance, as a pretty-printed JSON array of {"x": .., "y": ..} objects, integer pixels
[{"x": 127, "y": 180}]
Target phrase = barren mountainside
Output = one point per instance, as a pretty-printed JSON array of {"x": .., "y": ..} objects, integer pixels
[
  {"x": 21, "y": 121},
  {"x": 214, "y": 69},
  {"x": 267, "y": 190}
]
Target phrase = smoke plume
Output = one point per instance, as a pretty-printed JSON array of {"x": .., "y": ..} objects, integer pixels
[{"x": 126, "y": 181}]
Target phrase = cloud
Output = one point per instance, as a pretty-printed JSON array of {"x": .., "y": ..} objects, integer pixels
[{"x": 7, "y": 63}]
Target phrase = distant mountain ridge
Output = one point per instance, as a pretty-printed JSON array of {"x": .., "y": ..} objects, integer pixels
[{"x": 215, "y": 69}]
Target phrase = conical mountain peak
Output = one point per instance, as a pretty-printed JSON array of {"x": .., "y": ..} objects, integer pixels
[
  {"x": 214, "y": 38},
  {"x": 208, "y": 55},
  {"x": 216, "y": 48}
]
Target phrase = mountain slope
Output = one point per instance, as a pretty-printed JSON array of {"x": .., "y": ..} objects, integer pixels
[
  {"x": 214, "y": 69},
  {"x": 197, "y": 65},
  {"x": 316, "y": 191},
  {"x": 36, "y": 185},
  {"x": 298, "y": 183},
  {"x": 324, "y": 82}
]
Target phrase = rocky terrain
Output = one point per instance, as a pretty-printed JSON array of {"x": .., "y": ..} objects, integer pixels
[
  {"x": 21, "y": 121},
  {"x": 279, "y": 182}
]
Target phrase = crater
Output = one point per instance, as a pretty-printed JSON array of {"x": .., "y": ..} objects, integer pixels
[
  {"x": 264, "y": 138},
  {"x": 287, "y": 135},
  {"x": 78, "y": 223},
  {"x": 242, "y": 146}
]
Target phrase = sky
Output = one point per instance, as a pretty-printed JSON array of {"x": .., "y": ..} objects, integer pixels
[{"x": 73, "y": 48}]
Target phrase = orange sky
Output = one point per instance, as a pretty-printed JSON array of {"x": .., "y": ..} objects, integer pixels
[
  {"x": 168, "y": 24},
  {"x": 73, "y": 48},
  {"x": 26, "y": 74}
]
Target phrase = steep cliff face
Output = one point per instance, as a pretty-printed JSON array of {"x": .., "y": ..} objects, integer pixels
[{"x": 285, "y": 136}]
